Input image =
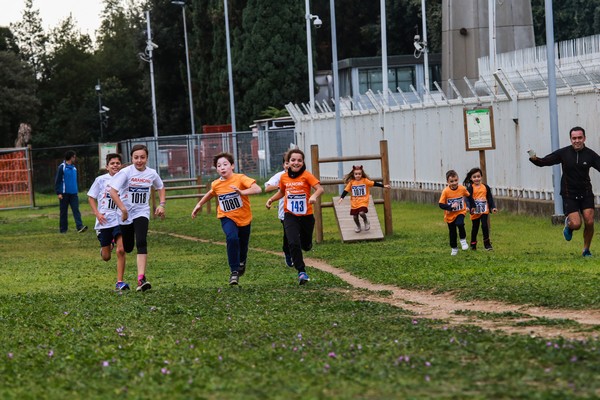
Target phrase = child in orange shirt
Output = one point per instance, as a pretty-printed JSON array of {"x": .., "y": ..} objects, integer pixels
[
  {"x": 298, "y": 222},
  {"x": 232, "y": 191},
  {"x": 452, "y": 201},
  {"x": 483, "y": 204},
  {"x": 359, "y": 184}
]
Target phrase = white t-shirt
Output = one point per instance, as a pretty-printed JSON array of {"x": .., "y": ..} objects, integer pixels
[
  {"x": 134, "y": 190},
  {"x": 274, "y": 181},
  {"x": 100, "y": 191}
]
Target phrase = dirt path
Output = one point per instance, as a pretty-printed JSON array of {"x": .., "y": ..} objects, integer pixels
[{"x": 444, "y": 306}]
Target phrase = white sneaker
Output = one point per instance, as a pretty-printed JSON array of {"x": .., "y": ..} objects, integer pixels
[
  {"x": 464, "y": 244},
  {"x": 357, "y": 229},
  {"x": 367, "y": 225},
  {"x": 454, "y": 251}
]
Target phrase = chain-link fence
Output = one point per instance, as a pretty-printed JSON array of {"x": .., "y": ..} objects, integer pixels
[{"x": 257, "y": 154}]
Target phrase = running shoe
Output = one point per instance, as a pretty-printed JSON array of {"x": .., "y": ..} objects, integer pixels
[
  {"x": 303, "y": 278},
  {"x": 464, "y": 244},
  {"x": 143, "y": 285},
  {"x": 367, "y": 225},
  {"x": 357, "y": 229},
  {"x": 82, "y": 229},
  {"x": 473, "y": 245},
  {"x": 454, "y": 251},
  {"x": 567, "y": 232},
  {"x": 288, "y": 260},
  {"x": 121, "y": 286},
  {"x": 234, "y": 279},
  {"x": 586, "y": 253},
  {"x": 242, "y": 269}
]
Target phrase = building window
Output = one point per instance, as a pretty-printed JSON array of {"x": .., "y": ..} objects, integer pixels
[{"x": 401, "y": 77}]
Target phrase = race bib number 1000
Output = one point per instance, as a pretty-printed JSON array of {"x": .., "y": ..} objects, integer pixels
[
  {"x": 230, "y": 201},
  {"x": 296, "y": 203}
]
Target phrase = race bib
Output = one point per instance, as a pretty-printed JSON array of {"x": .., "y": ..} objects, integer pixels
[
  {"x": 110, "y": 204},
  {"x": 456, "y": 204},
  {"x": 138, "y": 195},
  {"x": 230, "y": 201},
  {"x": 480, "y": 206},
  {"x": 296, "y": 203},
  {"x": 359, "y": 191}
]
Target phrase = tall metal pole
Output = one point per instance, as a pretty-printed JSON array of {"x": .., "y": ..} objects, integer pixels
[
  {"x": 552, "y": 103},
  {"x": 149, "y": 47},
  {"x": 384, "y": 60},
  {"x": 492, "y": 33},
  {"x": 336, "y": 89},
  {"x": 99, "y": 91},
  {"x": 229, "y": 70},
  {"x": 189, "y": 75},
  {"x": 425, "y": 44},
  {"x": 309, "y": 56}
]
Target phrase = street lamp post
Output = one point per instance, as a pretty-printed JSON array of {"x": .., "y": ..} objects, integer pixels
[
  {"x": 229, "y": 70},
  {"x": 99, "y": 92},
  {"x": 311, "y": 80},
  {"x": 187, "y": 61},
  {"x": 147, "y": 56}
]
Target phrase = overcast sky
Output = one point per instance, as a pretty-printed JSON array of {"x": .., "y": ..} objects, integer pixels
[{"x": 85, "y": 12}]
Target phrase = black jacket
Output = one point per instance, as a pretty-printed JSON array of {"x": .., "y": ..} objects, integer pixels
[{"x": 575, "y": 180}]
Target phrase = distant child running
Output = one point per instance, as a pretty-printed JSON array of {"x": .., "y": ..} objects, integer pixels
[
  {"x": 452, "y": 202},
  {"x": 130, "y": 190},
  {"x": 483, "y": 204},
  {"x": 299, "y": 222},
  {"x": 359, "y": 185},
  {"x": 107, "y": 217},
  {"x": 232, "y": 191},
  {"x": 270, "y": 186}
]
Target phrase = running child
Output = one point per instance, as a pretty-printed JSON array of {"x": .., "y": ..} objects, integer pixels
[
  {"x": 359, "y": 185},
  {"x": 130, "y": 190},
  {"x": 299, "y": 222},
  {"x": 483, "y": 204},
  {"x": 452, "y": 201},
  {"x": 232, "y": 191},
  {"x": 270, "y": 186},
  {"x": 107, "y": 217}
]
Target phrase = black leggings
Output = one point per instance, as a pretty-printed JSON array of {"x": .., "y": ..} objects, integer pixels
[
  {"x": 136, "y": 233},
  {"x": 299, "y": 231},
  {"x": 458, "y": 223},
  {"x": 485, "y": 228}
]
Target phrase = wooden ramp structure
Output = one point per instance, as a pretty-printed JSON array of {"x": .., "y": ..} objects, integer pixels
[{"x": 346, "y": 223}]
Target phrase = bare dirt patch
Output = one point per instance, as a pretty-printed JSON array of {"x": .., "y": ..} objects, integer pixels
[{"x": 445, "y": 306}]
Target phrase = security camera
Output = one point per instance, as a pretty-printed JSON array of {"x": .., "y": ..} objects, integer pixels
[
  {"x": 418, "y": 46},
  {"x": 105, "y": 109},
  {"x": 417, "y": 38},
  {"x": 317, "y": 22},
  {"x": 98, "y": 88}
]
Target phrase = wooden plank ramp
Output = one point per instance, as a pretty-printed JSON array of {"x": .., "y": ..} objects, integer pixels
[{"x": 346, "y": 223}]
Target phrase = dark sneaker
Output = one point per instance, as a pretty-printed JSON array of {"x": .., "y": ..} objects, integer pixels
[
  {"x": 143, "y": 285},
  {"x": 568, "y": 233},
  {"x": 121, "y": 286},
  {"x": 488, "y": 247},
  {"x": 82, "y": 229},
  {"x": 288, "y": 260},
  {"x": 586, "y": 253},
  {"x": 242, "y": 269},
  {"x": 473, "y": 245},
  {"x": 234, "y": 279},
  {"x": 303, "y": 278}
]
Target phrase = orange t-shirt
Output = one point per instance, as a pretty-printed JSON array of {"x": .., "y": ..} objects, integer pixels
[
  {"x": 231, "y": 204},
  {"x": 480, "y": 199},
  {"x": 297, "y": 192},
  {"x": 455, "y": 198},
  {"x": 359, "y": 192}
]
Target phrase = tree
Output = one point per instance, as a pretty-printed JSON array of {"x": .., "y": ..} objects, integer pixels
[
  {"x": 270, "y": 62},
  {"x": 572, "y": 19},
  {"x": 31, "y": 38},
  {"x": 18, "y": 102}
]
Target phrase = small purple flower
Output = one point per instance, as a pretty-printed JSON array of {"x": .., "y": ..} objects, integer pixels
[
  {"x": 105, "y": 363},
  {"x": 10, "y": 355},
  {"x": 191, "y": 346},
  {"x": 326, "y": 367},
  {"x": 295, "y": 348},
  {"x": 548, "y": 344},
  {"x": 166, "y": 362},
  {"x": 66, "y": 312},
  {"x": 51, "y": 353},
  {"x": 427, "y": 364},
  {"x": 574, "y": 359},
  {"x": 332, "y": 354},
  {"x": 359, "y": 347},
  {"x": 165, "y": 371},
  {"x": 414, "y": 322},
  {"x": 427, "y": 378},
  {"x": 220, "y": 358}
]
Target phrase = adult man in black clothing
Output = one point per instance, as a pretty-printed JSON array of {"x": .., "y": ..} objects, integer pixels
[{"x": 575, "y": 185}]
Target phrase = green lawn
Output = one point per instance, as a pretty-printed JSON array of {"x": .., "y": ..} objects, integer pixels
[{"x": 65, "y": 332}]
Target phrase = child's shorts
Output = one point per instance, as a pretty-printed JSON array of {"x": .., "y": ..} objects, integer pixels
[
  {"x": 356, "y": 211},
  {"x": 106, "y": 235}
]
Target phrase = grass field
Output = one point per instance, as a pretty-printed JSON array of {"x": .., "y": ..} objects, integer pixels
[{"x": 64, "y": 332}]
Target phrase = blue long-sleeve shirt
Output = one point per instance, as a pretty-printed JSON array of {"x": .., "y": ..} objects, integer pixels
[{"x": 66, "y": 179}]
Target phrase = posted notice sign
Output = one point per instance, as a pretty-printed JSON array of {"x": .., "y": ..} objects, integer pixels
[{"x": 479, "y": 128}]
